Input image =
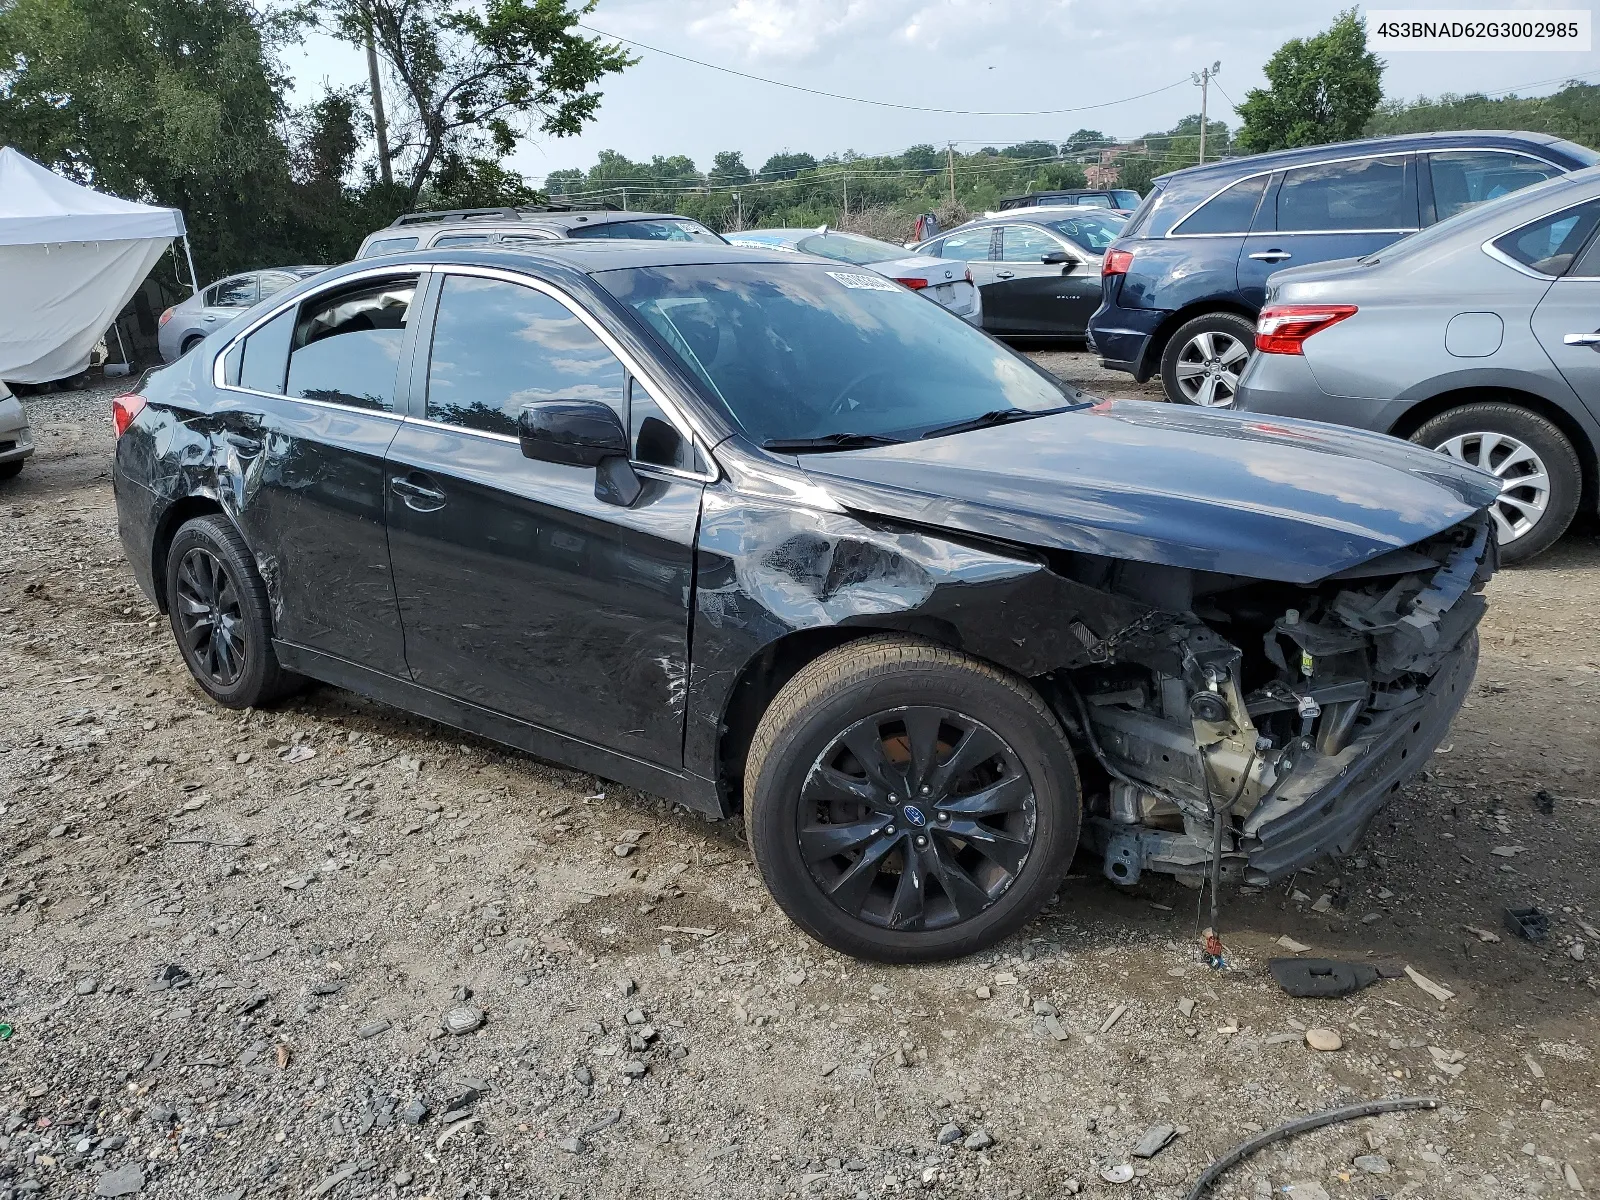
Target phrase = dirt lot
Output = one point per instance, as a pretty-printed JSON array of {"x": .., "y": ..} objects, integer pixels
[{"x": 229, "y": 944}]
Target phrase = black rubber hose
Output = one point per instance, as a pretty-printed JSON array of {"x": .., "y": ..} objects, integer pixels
[{"x": 1304, "y": 1125}]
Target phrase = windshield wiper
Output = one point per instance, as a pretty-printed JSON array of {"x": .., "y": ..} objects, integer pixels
[
  {"x": 998, "y": 416},
  {"x": 830, "y": 441}
]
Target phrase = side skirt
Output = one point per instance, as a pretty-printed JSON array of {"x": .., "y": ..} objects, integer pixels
[{"x": 682, "y": 788}]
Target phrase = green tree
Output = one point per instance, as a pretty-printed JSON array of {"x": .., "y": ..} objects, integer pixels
[
  {"x": 1030, "y": 150},
  {"x": 564, "y": 182},
  {"x": 1322, "y": 89},
  {"x": 1572, "y": 113},
  {"x": 786, "y": 165},
  {"x": 479, "y": 78},
  {"x": 727, "y": 168}
]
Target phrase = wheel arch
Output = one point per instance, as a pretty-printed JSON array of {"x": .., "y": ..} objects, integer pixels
[
  {"x": 1156, "y": 345},
  {"x": 177, "y": 515},
  {"x": 1420, "y": 413}
]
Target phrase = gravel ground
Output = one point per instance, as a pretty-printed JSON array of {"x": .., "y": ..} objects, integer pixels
[{"x": 333, "y": 951}]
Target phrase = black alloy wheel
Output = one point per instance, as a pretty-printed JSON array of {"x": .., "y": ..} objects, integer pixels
[
  {"x": 221, "y": 616},
  {"x": 907, "y": 802},
  {"x": 916, "y": 818},
  {"x": 209, "y": 618}
]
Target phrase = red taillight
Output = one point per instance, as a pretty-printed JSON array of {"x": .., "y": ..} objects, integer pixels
[
  {"x": 124, "y": 409},
  {"x": 916, "y": 285},
  {"x": 165, "y": 317},
  {"x": 1116, "y": 262},
  {"x": 1283, "y": 328}
]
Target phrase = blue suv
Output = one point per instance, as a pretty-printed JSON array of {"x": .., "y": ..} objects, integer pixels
[{"x": 1183, "y": 284}]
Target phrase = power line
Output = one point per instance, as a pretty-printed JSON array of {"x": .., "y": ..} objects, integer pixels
[{"x": 795, "y": 87}]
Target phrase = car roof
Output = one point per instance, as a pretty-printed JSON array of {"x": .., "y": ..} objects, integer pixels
[
  {"x": 1037, "y": 215},
  {"x": 1214, "y": 174},
  {"x": 505, "y": 219},
  {"x": 794, "y": 235},
  {"x": 588, "y": 257}
]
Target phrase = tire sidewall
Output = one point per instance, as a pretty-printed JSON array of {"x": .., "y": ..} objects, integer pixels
[
  {"x": 776, "y": 796},
  {"x": 1230, "y": 323},
  {"x": 252, "y": 682},
  {"x": 1552, "y": 447}
]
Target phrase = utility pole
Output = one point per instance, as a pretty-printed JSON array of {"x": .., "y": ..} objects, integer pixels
[
  {"x": 624, "y": 199},
  {"x": 950, "y": 158},
  {"x": 1203, "y": 82},
  {"x": 846, "y": 199},
  {"x": 738, "y": 220},
  {"x": 379, "y": 124}
]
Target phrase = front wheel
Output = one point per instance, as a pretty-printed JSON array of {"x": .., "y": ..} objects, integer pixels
[
  {"x": 1540, "y": 477},
  {"x": 1204, "y": 359},
  {"x": 907, "y": 803}
]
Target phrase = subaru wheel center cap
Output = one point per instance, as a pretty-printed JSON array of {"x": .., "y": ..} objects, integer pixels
[{"x": 914, "y": 816}]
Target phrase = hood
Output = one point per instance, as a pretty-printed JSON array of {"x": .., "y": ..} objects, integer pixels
[
  {"x": 1185, "y": 487},
  {"x": 935, "y": 270}
]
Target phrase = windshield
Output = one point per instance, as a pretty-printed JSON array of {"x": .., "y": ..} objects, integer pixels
[
  {"x": 1094, "y": 231},
  {"x": 798, "y": 350},
  {"x": 1126, "y": 199},
  {"x": 655, "y": 229},
  {"x": 850, "y": 248}
]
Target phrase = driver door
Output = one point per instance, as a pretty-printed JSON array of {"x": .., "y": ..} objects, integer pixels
[{"x": 1030, "y": 296}]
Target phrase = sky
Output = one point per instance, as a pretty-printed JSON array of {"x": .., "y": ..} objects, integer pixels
[{"x": 989, "y": 56}]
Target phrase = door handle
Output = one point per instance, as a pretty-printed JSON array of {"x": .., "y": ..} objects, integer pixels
[
  {"x": 1582, "y": 339},
  {"x": 1004, "y": 274},
  {"x": 244, "y": 445},
  {"x": 416, "y": 495},
  {"x": 208, "y": 317},
  {"x": 1271, "y": 255}
]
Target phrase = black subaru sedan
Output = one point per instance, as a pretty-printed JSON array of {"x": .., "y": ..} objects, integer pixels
[{"x": 764, "y": 534}]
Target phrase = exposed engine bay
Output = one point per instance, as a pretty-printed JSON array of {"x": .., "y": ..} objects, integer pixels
[{"x": 1294, "y": 711}]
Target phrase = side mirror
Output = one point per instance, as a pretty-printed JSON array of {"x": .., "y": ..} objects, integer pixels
[
  {"x": 1058, "y": 258},
  {"x": 575, "y": 433}
]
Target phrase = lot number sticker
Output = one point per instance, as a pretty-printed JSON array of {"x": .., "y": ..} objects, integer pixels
[{"x": 863, "y": 283}]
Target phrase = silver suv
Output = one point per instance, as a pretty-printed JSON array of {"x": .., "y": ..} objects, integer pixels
[
  {"x": 1479, "y": 337},
  {"x": 511, "y": 226}
]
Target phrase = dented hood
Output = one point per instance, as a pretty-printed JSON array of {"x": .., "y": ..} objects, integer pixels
[{"x": 1186, "y": 487}]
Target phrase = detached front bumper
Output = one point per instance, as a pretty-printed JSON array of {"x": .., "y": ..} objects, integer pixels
[{"x": 1336, "y": 798}]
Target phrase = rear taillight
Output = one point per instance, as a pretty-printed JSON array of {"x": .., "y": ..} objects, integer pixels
[
  {"x": 969, "y": 274},
  {"x": 1116, "y": 262},
  {"x": 165, "y": 317},
  {"x": 124, "y": 409},
  {"x": 1283, "y": 328},
  {"x": 916, "y": 285}
]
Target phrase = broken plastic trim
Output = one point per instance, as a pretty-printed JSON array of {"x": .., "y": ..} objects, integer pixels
[{"x": 1290, "y": 1129}]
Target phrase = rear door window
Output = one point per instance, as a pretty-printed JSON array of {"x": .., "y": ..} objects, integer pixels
[
  {"x": 498, "y": 346},
  {"x": 346, "y": 347},
  {"x": 1376, "y": 194},
  {"x": 233, "y": 293},
  {"x": 394, "y": 245},
  {"x": 1025, "y": 244},
  {"x": 1229, "y": 211},
  {"x": 1549, "y": 244},
  {"x": 1463, "y": 178},
  {"x": 971, "y": 246}
]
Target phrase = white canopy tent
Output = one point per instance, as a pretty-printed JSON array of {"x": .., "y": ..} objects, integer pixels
[{"x": 70, "y": 258}]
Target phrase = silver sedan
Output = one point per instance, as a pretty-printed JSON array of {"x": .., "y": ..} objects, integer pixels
[
  {"x": 185, "y": 325},
  {"x": 1478, "y": 337},
  {"x": 16, "y": 442}
]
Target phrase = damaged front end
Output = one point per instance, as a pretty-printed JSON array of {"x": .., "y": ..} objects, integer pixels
[{"x": 1293, "y": 710}]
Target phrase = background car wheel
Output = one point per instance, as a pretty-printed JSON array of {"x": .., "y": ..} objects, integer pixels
[
  {"x": 907, "y": 803},
  {"x": 1540, "y": 478},
  {"x": 11, "y": 470},
  {"x": 218, "y": 608},
  {"x": 1204, "y": 359},
  {"x": 189, "y": 344}
]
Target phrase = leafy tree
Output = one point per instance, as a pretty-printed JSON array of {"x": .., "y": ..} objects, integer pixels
[
  {"x": 727, "y": 168},
  {"x": 1323, "y": 89},
  {"x": 1030, "y": 150},
  {"x": 1572, "y": 113},
  {"x": 474, "y": 77},
  {"x": 1088, "y": 138},
  {"x": 564, "y": 182},
  {"x": 923, "y": 158},
  {"x": 786, "y": 165}
]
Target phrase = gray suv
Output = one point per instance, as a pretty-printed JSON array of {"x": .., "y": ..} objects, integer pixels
[
  {"x": 516, "y": 228},
  {"x": 1479, "y": 337}
]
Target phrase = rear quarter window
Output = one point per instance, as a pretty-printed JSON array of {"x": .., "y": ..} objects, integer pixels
[{"x": 1229, "y": 211}]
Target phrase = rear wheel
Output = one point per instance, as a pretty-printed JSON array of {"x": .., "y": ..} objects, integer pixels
[
  {"x": 220, "y": 616},
  {"x": 1203, "y": 360},
  {"x": 11, "y": 470},
  {"x": 1540, "y": 477},
  {"x": 907, "y": 803}
]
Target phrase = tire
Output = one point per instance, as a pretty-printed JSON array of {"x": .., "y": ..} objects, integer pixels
[
  {"x": 211, "y": 576},
  {"x": 11, "y": 470},
  {"x": 1201, "y": 364},
  {"x": 189, "y": 343},
  {"x": 865, "y": 691},
  {"x": 1515, "y": 443}
]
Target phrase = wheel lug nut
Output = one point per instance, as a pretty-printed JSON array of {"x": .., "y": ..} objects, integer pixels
[
  {"x": 944, "y": 816},
  {"x": 924, "y": 790},
  {"x": 890, "y": 831},
  {"x": 921, "y": 841}
]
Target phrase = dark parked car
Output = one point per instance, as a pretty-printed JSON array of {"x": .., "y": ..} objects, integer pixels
[
  {"x": 515, "y": 227},
  {"x": 1121, "y": 199},
  {"x": 1038, "y": 270},
  {"x": 754, "y": 530},
  {"x": 1187, "y": 278}
]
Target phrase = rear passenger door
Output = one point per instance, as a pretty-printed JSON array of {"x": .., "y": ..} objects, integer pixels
[
  {"x": 520, "y": 589},
  {"x": 1567, "y": 321},
  {"x": 312, "y": 409},
  {"x": 1325, "y": 211}
]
